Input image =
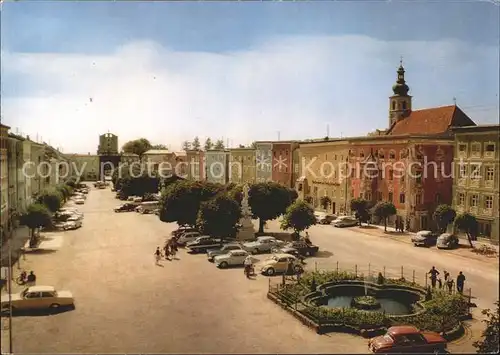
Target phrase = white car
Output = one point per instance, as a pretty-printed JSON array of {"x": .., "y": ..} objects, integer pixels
[
  {"x": 38, "y": 297},
  {"x": 233, "y": 258},
  {"x": 263, "y": 244},
  {"x": 188, "y": 237},
  {"x": 74, "y": 224},
  {"x": 345, "y": 221},
  {"x": 79, "y": 201}
]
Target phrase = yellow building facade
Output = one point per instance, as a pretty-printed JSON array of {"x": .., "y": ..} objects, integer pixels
[
  {"x": 242, "y": 167},
  {"x": 322, "y": 172},
  {"x": 86, "y": 166},
  {"x": 476, "y": 177},
  {"x": 4, "y": 180}
]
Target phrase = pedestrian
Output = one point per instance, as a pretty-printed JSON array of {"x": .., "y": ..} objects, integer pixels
[
  {"x": 157, "y": 255},
  {"x": 446, "y": 275},
  {"x": 450, "y": 283},
  {"x": 460, "y": 282},
  {"x": 434, "y": 273},
  {"x": 31, "y": 279},
  {"x": 166, "y": 250},
  {"x": 440, "y": 283},
  {"x": 173, "y": 250}
]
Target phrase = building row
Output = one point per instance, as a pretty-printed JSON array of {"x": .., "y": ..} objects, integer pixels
[{"x": 26, "y": 168}]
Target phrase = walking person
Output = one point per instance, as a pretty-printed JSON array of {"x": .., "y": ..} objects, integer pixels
[
  {"x": 31, "y": 279},
  {"x": 440, "y": 283},
  {"x": 460, "y": 282},
  {"x": 158, "y": 255},
  {"x": 446, "y": 275},
  {"x": 434, "y": 273},
  {"x": 450, "y": 283},
  {"x": 166, "y": 250}
]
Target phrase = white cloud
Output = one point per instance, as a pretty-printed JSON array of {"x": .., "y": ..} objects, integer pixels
[{"x": 295, "y": 85}]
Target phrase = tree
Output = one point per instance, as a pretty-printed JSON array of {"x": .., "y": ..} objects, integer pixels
[
  {"x": 37, "y": 215},
  {"x": 385, "y": 210},
  {"x": 309, "y": 199},
  {"x": 325, "y": 201},
  {"x": 186, "y": 145},
  {"x": 218, "y": 216},
  {"x": 51, "y": 198},
  {"x": 360, "y": 207},
  {"x": 208, "y": 144},
  {"x": 490, "y": 342},
  {"x": 299, "y": 216},
  {"x": 268, "y": 200},
  {"x": 219, "y": 144},
  {"x": 65, "y": 191},
  {"x": 467, "y": 223},
  {"x": 180, "y": 201},
  {"x": 235, "y": 192},
  {"x": 137, "y": 146},
  {"x": 159, "y": 147},
  {"x": 196, "y": 143},
  {"x": 444, "y": 215}
]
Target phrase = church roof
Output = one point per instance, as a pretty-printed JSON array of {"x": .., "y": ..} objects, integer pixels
[{"x": 436, "y": 120}]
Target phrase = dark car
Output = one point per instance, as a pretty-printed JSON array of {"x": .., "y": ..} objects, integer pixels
[
  {"x": 447, "y": 241},
  {"x": 424, "y": 238},
  {"x": 226, "y": 248},
  {"x": 302, "y": 248},
  {"x": 126, "y": 207},
  {"x": 183, "y": 229},
  {"x": 202, "y": 244}
]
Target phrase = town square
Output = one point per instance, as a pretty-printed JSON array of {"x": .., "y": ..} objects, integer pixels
[{"x": 165, "y": 192}]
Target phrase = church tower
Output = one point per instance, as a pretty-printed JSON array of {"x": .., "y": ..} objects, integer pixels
[{"x": 400, "y": 102}]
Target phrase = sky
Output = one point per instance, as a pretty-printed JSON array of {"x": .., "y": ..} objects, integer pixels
[{"x": 238, "y": 71}]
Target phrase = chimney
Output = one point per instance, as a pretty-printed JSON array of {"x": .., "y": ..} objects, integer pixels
[{"x": 27, "y": 137}]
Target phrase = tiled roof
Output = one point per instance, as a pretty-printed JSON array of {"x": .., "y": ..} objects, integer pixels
[{"x": 435, "y": 120}]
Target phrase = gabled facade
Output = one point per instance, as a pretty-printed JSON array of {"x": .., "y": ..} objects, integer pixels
[
  {"x": 476, "y": 170},
  {"x": 263, "y": 161},
  {"x": 282, "y": 167},
  {"x": 242, "y": 167}
]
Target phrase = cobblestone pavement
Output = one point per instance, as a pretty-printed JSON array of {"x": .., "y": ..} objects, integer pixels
[{"x": 127, "y": 304}]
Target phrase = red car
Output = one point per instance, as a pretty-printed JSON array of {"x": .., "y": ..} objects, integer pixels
[{"x": 407, "y": 339}]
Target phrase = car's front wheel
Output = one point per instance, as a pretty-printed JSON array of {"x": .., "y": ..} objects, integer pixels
[
  {"x": 270, "y": 271},
  {"x": 223, "y": 265},
  {"x": 297, "y": 269},
  {"x": 255, "y": 251}
]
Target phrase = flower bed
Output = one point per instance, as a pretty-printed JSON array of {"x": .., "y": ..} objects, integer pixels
[
  {"x": 443, "y": 313},
  {"x": 365, "y": 302}
]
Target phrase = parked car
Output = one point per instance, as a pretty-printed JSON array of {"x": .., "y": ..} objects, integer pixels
[
  {"x": 224, "y": 249},
  {"x": 202, "y": 244},
  {"x": 303, "y": 248},
  {"x": 345, "y": 221},
  {"x": 263, "y": 244},
  {"x": 233, "y": 258},
  {"x": 278, "y": 263},
  {"x": 187, "y": 237},
  {"x": 126, "y": 207},
  {"x": 183, "y": 229},
  {"x": 147, "y": 207},
  {"x": 79, "y": 201},
  {"x": 70, "y": 225},
  {"x": 424, "y": 238},
  {"x": 408, "y": 339},
  {"x": 324, "y": 218},
  {"x": 447, "y": 241},
  {"x": 38, "y": 297}
]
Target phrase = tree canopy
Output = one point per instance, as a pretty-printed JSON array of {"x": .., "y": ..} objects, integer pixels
[
  {"x": 325, "y": 201},
  {"x": 186, "y": 145},
  {"x": 444, "y": 215},
  {"x": 219, "y": 144},
  {"x": 134, "y": 181},
  {"x": 269, "y": 200},
  {"x": 299, "y": 216},
  {"x": 218, "y": 216},
  {"x": 361, "y": 207},
  {"x": 489, "y": 344},
  {"x": 36, "y": 216},
  {"x": 137, "y": 146},
  {"x": 195, "y": 145},
  {"x": 467, "y": 223},
  {"x": 208, "y": 144},
  {"x": 384, "y": 210},
  {"x": 159, "y": 146},
  {"x": 51, "y": 198}
]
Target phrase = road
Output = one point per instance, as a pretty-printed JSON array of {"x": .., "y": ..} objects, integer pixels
[{"x": 125, "y": 304}]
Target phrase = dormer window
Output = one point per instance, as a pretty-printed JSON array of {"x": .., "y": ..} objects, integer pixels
[
  {"x": 403, "y": 105},
  {"x": 394, "y": 105}
]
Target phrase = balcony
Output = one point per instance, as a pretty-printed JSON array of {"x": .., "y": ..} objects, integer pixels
[
  {"x": 474, "y": 183},
  {"x": 474, "y": 210},
  {"x": 489, "y": 155},
  {"x": 487, "y": 211}
]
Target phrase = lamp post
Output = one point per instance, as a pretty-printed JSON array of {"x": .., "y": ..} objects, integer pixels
[{"x": 9, "y": 287}]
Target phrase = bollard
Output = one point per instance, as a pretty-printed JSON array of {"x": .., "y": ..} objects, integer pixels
[
  {"x": 402, "y": 272},
  {"x": 384, "y": 272},
  {"x": 413, "y": 276},
  {"x": 337, "y": 267},
  {"x": 356, "y": 270}
]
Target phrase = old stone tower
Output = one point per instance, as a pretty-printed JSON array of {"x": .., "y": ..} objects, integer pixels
[{"x": 400, "y": 102}]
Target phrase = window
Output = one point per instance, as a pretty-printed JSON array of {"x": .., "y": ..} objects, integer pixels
[
  {"x": 381, "y": 154},
  {"x": 392, "y": 155},
  {"x": 361, "y": 154},
  {"x": 488, "y": 202},
  {"x": 368, "y": 196},
  {"x": 490, "y": 147},
  {"x": 418, "y": 199},
  {"x": 401, "y": 198},
  {"x": 438, "y": 198},
  {"x": 490, "y": 173},
  {"x": 394, "y": 105},
  {"x": 418, "y": 178},
  {"x": 461, "y": 199},
  {"x": 352, "y": 193},
  {"x": 391, "y": 174},
  {"x": 390, "y": 199},
  {"x": 33, "y": 295},
  {"x": 462, "y": 148},
  {"x": 463, "y": 171},
  {"x": 404, "y": 105},
  {"x": 475, "y": 148},
  {"x": 474, "y": 200},
  {"x": 47, "y": 294},
  {"x": 475, "y": 172},
  {"x": 379, "y": 195}
]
